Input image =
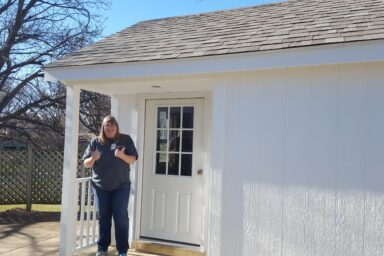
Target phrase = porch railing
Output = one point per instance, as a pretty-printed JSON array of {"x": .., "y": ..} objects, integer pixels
[{"x": 86, "y": 232}]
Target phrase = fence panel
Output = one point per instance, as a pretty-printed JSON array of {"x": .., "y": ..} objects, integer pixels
[
  {"x": 13, "y": 176},
  {"x": 46, "y": 171}
]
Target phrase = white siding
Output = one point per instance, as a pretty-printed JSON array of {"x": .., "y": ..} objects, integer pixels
[{"x": 303, "y": 170}]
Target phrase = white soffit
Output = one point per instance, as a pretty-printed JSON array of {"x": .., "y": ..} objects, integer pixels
[{"x": 372, "y": 51}]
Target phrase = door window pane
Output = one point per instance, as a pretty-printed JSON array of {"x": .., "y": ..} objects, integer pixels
[
  {"x": 188, "y": 117},
  {"x": 161, "y": 162},
  {"x": 187, "y": 144},
  {"x": 174, "y": 141},
  {"x": 162, "y": 117},
  {"x": 173, "y": 164},
  {"x": 161, "y": 140},
  {"x": 175, "y": 117},
  {"x": 186, "y": 165}
]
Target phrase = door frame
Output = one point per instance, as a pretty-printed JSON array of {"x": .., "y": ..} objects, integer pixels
[{"x": 138, "y": 183}]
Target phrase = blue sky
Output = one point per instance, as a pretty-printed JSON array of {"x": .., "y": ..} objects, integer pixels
[{"x": 124, "y": 13}]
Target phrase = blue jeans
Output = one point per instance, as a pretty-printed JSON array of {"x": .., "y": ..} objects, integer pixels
[{"x": 112, "y": 204}]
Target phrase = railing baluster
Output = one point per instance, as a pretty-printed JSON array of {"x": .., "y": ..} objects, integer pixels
[
  {"x": 94, "y": 221},
  {"x": 88, "y": 209},
  {"x": 81, "y": 242},
  {"x": 82, "y": 212},
  {"x": 77, "y": 186}
]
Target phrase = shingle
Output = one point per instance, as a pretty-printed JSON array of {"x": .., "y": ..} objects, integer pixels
[{"x": 294, "y": 23}]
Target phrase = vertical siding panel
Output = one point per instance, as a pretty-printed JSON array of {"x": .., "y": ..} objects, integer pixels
[
  {"x": 252, "y": 102},
  {"x": 322, "y": 162},
  {"x": 218, "y": 104},
  {"x": 374, "y": 200},
  {"x": 296, "y": 155},
  {"x": 269, "y": 138},
  {"x": 350, "y": 175},
  {"x": 233, "y": 203},
  {"x": 264, "y": 211},
  {"x": 271, "y": 160}
]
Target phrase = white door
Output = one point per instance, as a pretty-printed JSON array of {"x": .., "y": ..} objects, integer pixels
[{"x": 172, "y": 195}]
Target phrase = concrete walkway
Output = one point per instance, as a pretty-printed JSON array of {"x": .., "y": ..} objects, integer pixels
[
  {"x": 34, "y": 239},
  {"x": 29, "y": 239},
  {"x": 34, "y": 234}
]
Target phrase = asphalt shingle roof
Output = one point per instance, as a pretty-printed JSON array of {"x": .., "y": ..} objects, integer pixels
[{"x": 294, "y": 23}]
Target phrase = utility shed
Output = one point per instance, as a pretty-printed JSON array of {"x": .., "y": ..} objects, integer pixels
[{"x": 260, "y": 129}]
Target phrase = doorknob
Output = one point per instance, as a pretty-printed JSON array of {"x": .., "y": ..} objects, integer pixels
[{"x": 200, "y": 172}]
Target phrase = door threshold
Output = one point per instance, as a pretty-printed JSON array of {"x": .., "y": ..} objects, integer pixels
[{"x": 165, "y": 248}]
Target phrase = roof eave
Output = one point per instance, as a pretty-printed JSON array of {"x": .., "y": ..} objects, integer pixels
[{"x": 364, "y": 51}]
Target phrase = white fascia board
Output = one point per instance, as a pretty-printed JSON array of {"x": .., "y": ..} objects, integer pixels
[{"x": 371, "y": 51}]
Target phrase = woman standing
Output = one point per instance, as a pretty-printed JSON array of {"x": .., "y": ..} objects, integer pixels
[{"x": 109, "y": 155}]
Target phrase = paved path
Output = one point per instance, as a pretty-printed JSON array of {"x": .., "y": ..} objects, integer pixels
[
  {"x": 30, "y": 239},
  {"x": 32, "y": 234}
]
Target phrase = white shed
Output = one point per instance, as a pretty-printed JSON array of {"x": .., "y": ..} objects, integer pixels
[{"x": 260, "y": 130}]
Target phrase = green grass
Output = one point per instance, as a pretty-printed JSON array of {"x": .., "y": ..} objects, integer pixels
[
  {"x": 35, "y": 207},
  {"x": 6, "y": 207}
]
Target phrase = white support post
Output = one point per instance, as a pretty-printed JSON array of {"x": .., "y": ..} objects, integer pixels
[
  {"x": 125, "y": 109},
  {"x": 114, "y": 107},
  {"x": 68, "y": 199},
  {"x": 126, "y": 112},
  {"x": 114, "y": 113}
]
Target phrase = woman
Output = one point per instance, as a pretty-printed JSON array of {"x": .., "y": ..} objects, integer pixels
[{"x": 109, "y": 155}]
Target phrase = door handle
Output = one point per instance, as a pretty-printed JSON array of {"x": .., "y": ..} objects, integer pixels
[{"x": 200, "y": 172}]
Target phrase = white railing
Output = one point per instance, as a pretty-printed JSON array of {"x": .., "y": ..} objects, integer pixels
[{"x": 86, "y": 232}]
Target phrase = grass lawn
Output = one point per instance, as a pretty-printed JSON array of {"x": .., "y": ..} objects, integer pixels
[{"x": 35, "y": 207}]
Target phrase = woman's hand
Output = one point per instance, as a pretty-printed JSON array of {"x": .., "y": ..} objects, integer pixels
[
  {"x": 95, "y": 155},
  {"x": 119, "y": 152},
  {"x": 90, "y": 161}
]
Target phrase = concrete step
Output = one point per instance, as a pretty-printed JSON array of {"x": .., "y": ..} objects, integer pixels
[{"x": 161, "y": 249}]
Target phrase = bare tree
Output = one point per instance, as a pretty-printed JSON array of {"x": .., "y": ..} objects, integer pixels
[
  {"x": 33, "y": 33},
  {"x": 93, "y": 108}
]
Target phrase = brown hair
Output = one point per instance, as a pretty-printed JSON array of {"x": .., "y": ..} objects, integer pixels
[{"x": 111, "y": 120}]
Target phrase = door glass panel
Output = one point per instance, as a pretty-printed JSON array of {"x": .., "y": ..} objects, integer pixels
[
  {"x": 161, "y": 163},
  {"x": 188, "y": 117},
  {"x": 161, "y": 140},
  {"x": 186, "y": 165},
  {"x": 173, "y": 164},
  {"x": 162, "y": 117},
  {"x": 175, "y": 117},
  {"x": 174, "y": 141},
  {"x": 187, "y": 143}
]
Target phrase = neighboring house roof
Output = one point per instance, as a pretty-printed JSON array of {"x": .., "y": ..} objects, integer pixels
[
  {"x": 295, "y": 23},
  {"x": 12, "y": 144},
  {"x": 87, "y": 137}
]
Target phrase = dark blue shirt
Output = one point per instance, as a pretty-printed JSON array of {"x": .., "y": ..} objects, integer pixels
[{"x": 110, "y": 172}]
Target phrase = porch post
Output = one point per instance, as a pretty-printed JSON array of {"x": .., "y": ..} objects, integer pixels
[
  {"x": 68, "y": 198},
  {"x": 125, "y": 109}
]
